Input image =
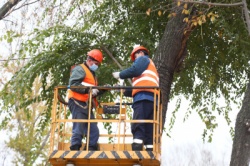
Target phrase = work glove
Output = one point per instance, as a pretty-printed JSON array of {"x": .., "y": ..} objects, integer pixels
[
  {"x": 107, "y": 85},
  {"x": 95, "y": 92},
  {"x": 116, "y": 75}
]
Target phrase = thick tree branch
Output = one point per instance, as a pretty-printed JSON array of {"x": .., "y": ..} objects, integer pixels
[
  {"x": 7, "y": 7},
  {"x": 246, "y": 13}
]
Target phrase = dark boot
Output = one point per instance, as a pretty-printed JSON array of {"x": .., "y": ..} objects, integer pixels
[
  {"x": 91, "y": 148},
  {"x": 149, "y": 149},
  {"x": 75, "y": 147},
  {"x": 137, "y": 147}
]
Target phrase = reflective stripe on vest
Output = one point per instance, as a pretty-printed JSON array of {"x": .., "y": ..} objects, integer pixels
[
  {"x": 89, "y": 80},
  {"x": 149, "y": 77}
]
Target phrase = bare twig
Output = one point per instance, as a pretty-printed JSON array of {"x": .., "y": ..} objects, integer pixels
[
  {"x": 44, "y": 143},
  {"x": 113, "y": 58},
  {"x": 20, "y": 123},
  {"x": 214, "y": 4},
  {"x": 79, "y": 8},
  {"x": 14, "y": 59},
  {"x": 243, "y": 4},
  {"x": 26, "y": 4}
]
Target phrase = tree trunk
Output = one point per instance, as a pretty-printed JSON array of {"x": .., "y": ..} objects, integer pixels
[
  {"x": 241, "y": 145},
  {"x": 171, "y": 52},
  {"x": 7, "y": 7}
]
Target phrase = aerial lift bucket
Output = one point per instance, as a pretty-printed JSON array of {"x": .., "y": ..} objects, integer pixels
[{"x": 117, "y": 153}]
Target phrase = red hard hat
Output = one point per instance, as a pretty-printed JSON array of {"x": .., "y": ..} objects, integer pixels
[
  {"x": 96, "y": 54},
  {"x": 132, "y": 55}
]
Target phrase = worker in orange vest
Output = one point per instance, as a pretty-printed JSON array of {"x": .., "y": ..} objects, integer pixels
[
  {"x": 84, "y": 75},
  {"x": 143, "y": 73}
]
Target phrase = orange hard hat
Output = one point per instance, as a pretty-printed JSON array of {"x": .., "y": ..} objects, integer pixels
[
  {"x": 132, "y": 55},
  {"x": 96, "y": 54}
]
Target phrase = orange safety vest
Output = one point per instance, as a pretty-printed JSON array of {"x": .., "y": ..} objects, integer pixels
[
  {"x": 89, "y": 80},
  {"x": 149, "y": 77}
]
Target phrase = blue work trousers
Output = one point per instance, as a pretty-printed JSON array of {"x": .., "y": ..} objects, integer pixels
[
  {"x": 80, "y": 129},
  {"x": 143, "y": 109}
]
